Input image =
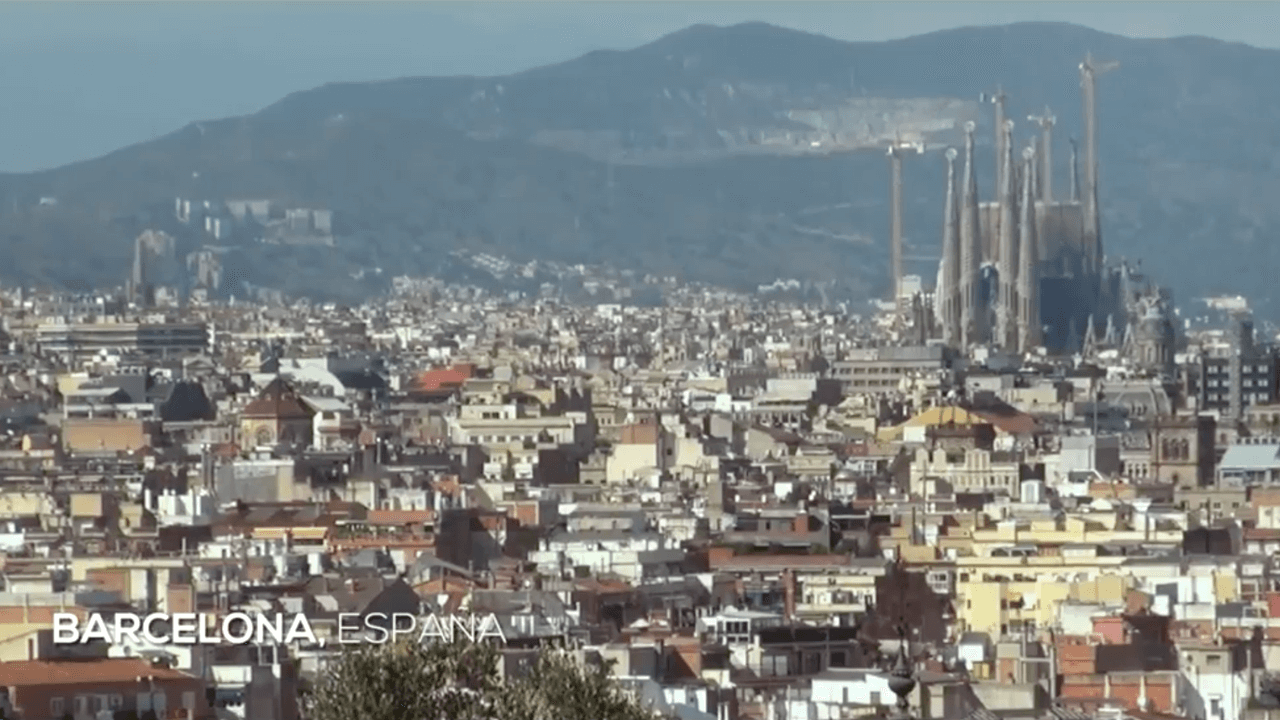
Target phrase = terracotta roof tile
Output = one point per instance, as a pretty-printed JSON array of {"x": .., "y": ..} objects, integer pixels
[
  {"x": 400, "y": 517},
  {"x": 447, "y": 485},
  {"x": 746, "y": 562},
  {"x": 78, "y": 672},
  {"x": 441, "y": 378},
  {"x": 1009, "y": 421},
  {"x": 602, "y": 585}
]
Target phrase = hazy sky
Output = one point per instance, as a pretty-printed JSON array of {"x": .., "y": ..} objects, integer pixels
[{"x": 78, "y": 80}]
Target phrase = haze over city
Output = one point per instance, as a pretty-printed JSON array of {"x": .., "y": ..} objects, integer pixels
[
  {"x": 652, "y": 361},
  {"x": 81, "y": 79}
]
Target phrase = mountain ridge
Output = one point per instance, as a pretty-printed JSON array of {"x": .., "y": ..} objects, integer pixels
[{"x": 708, "y": 137}]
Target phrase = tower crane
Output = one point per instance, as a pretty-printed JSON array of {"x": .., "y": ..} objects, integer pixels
[
  {"x": 997, "y": 99},
  {"x": 1046, "y": 123},
  {"x": 1090, "y": 70}
]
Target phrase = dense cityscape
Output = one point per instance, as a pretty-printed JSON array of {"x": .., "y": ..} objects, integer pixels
[{"x": 1033, "y": 488}]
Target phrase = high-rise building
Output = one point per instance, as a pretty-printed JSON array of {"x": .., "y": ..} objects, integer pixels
[{"x": 140, "y": 289}]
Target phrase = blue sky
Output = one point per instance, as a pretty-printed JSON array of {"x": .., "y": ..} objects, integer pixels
[{"x": 81, "y": 79}]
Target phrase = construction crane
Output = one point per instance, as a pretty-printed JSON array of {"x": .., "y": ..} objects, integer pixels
[
  {"x": 997, "y": 99},
  {"x": 897, "y": 149},
  {"x": 1046, "y": 123},
  {"x": 1090, "y": 70}
]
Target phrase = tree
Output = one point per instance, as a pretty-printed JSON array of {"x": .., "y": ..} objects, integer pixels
[
  {"x": 562, "y": 688},
  {"x": 406, "y": 681},
  {"x": 410, "y": 680}
]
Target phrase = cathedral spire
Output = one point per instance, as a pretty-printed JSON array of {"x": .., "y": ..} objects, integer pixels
[
  {"x": 949, "y": 292},
  {"x": 1007, "y": 268},
  {"x": 973, "y": 316},
  {"x": 1028, "y": 260}
]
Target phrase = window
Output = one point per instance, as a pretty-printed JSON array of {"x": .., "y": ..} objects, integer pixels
[
  {"x": 81, "y": 705},
  {"x": 57, "y": 707}
]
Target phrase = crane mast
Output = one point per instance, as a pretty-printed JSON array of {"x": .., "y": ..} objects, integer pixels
[
  {"x": 998, "y": 99},
  {"x": 1045, "y": 152},
  {"x": 1089, "y": 72}
]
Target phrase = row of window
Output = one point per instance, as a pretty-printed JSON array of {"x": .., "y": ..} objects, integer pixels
[
  {"x": 1222, "y": 369},
  {"x": 891, "y": 382},
  {"x": 86, "y": 704},
  {"x": 483, "y": 439},
  {"x": 1225, "y": 396},
  {"x": 1247, "y": 382},
  {"x": 869, "y": 371}
]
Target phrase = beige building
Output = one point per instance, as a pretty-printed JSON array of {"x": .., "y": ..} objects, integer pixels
[
  {"x": 107, "y": 435},
  {"x": 881, "y": 370},
  {"x": 641, "y": 447},
  {"x": 967, "y": 470}
]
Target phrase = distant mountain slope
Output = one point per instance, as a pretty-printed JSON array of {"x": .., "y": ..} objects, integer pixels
[{"x": 735, "y": 155}]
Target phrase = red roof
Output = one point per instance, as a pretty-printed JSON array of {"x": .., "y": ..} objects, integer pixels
[
  {"x": 400, "y": 517},
  {"x": 1007, "y": 420},
  {"x": 78, "y": 672},
  {"x": 277, "y": 401},
  {"x": 749, "y": 562},
  {"x": 441, "y": 378}
]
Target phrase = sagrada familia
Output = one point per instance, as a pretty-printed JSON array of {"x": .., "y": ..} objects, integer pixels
[{"x": 1027, "y": 270}]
